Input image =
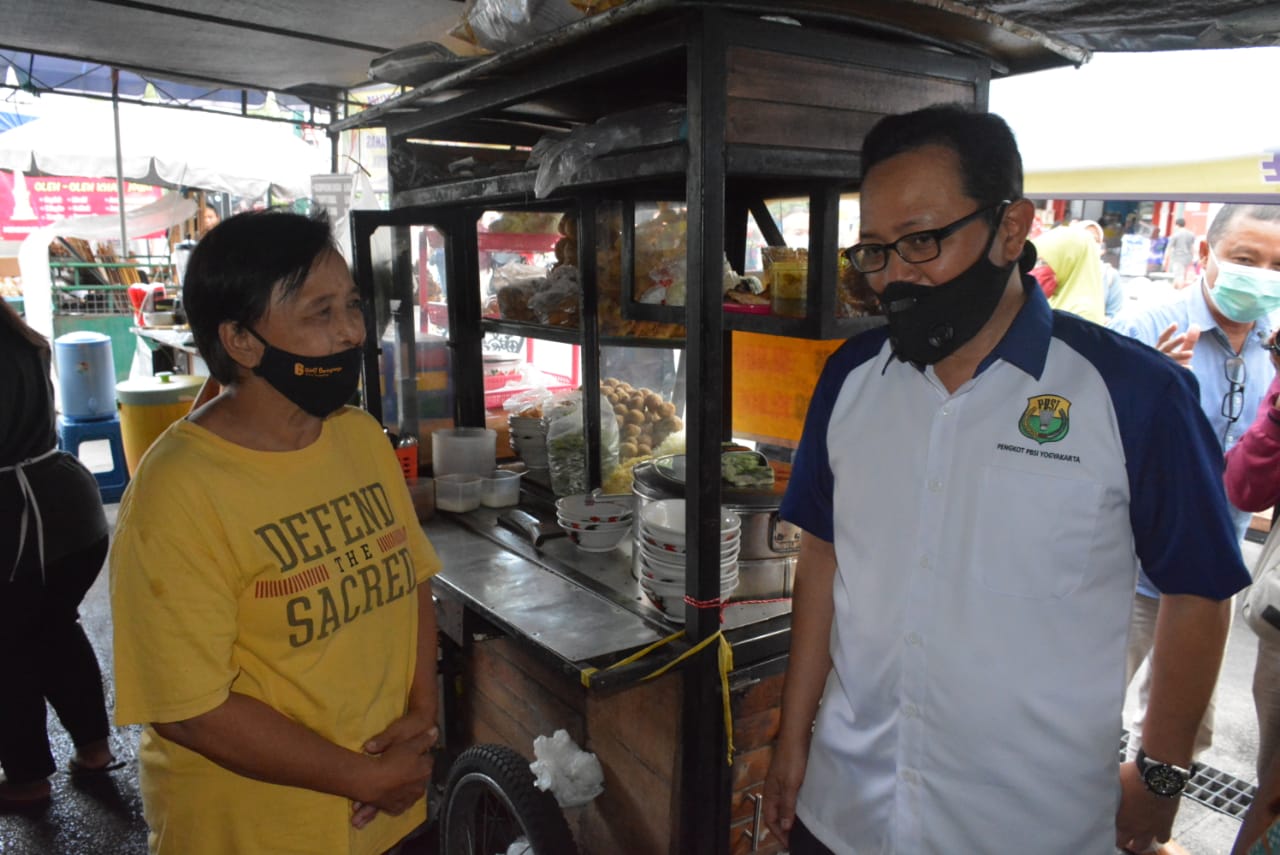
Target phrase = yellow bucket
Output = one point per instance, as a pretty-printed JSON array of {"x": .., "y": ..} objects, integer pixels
[{"x": 148, "y": 405}]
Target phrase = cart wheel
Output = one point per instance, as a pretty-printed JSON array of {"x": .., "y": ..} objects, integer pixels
[{"x": 490, "y": 802}]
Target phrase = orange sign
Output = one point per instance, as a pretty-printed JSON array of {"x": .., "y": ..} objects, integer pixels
[{"x": 773, "y": 380}]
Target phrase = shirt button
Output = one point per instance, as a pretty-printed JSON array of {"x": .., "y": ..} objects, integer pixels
[
  {"x": 908, "y": 776},
  {"x": 913, "y": 638},
  {"x": 910, "y": 711},
  {"x": 924, "y": 562},
  {"x": 935, "y": 485},
  {"x": 946, "y": 411}
]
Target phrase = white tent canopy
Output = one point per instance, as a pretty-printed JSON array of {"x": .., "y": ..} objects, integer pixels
[
  {"x": 1190, "y": 125},
  {"x": 174, "y": 148}
]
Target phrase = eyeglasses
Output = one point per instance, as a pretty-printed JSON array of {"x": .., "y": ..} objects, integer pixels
[
  {"x": 1233, "y": 400},
  {"x": 915, "y": 248}
]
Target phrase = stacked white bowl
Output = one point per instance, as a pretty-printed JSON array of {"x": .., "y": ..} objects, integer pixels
[
  {"x": 594, "y": 525},
  {"x": 663, "y": 553},
  {"x": 529, "y": 440}
]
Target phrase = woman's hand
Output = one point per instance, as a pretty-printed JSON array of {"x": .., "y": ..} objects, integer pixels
[{"x": 405, "y": 749}]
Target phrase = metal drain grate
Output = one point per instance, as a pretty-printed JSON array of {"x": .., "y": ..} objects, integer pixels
[{"x": 1212, "y": 788}]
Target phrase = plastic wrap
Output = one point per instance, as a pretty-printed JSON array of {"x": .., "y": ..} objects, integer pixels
[
  {"x": 567, "y": 443},
  {"x": 572, "y": 775}
]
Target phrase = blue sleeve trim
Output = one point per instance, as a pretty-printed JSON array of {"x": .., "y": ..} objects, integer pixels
[
  {"x": 808, "y": 501},
  {"x": 1183, "y": 531}
]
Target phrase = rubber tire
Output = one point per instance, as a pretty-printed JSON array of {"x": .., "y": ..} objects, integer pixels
[{"x": 499, "y": 771}]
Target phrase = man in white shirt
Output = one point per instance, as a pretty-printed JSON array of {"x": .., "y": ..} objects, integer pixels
[{"x": 977, "y": 483}]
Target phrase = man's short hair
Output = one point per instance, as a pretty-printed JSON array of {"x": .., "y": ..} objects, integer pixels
[
  {"x": 234, "y": 271},
  {"x": 1230, "y": 213},
  {"x": 990, "y": 165},
  {"x": 1179, "y": 222}
]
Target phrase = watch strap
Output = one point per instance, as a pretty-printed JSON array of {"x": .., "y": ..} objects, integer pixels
[{"x": 1146, "y": 763}]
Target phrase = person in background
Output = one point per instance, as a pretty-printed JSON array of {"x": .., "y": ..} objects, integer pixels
[
  {"x": 967, "y": 566},
  {"x": 53, "y": 540},
  {"x": 1219, "y": 330},
  {"x": 206, "y": 219},
  {"x": 1159, "y": 244},
  {"x": 274, "y": 627},
  {"x": 1111, "y": 284},
  {"x": 1112, "y": 290},
  {"x": 1253, "y": 484},
  {"x": 1072, "y": 255},
  {"x": 1180, "y": 251}
]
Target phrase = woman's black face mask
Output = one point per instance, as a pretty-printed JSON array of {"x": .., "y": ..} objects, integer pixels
[
  {"x": 927, "y": 323},
  {"x": 319, "y": 385}
]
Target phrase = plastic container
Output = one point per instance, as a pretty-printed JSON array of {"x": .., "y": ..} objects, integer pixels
[
  {"x": 458, "y": 493},
  {"x": 788, "y": 273},
  {"x": 464, "y": 451},
  {"x": 501, "y": 489},
  {"x": 148, "y": 405},
  {"x": 86, "y": 375},
  {"x": 423, "y": 493}
]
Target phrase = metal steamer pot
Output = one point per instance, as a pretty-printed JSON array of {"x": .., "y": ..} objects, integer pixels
[{"x": 766, "y": 564}]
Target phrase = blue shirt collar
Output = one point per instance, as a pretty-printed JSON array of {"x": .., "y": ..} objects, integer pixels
[{"x": 1026, "y": 343}]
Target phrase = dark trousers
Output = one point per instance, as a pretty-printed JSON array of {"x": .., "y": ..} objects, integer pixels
[
  {"x": 45, "y": 655},
  {"x": 802, "y": 841}
]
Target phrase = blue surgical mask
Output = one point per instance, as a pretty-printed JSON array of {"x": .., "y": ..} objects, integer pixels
[{"x": 1245, "y": 294}]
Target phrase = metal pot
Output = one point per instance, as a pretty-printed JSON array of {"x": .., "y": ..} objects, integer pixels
[{"x": 766, "y": 562}]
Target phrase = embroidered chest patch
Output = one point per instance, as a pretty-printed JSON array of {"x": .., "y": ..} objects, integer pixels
[{"x": 1046, "y": 419}]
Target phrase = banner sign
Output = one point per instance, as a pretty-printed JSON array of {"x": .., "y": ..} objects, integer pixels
[{"x": 39, "y": 201}]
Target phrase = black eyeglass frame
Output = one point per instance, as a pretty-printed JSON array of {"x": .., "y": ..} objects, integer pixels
[
  {"x": 938, "y": 235},
  {"x": 1233, "y": 400}
]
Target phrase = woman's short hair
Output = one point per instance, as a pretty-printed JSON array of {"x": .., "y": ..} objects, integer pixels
[
  {"x": 990, "y": 165},
  {"x": 236, "y": 270}
]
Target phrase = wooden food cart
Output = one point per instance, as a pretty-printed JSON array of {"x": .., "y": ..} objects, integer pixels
[{"x": 536, "y": 634}]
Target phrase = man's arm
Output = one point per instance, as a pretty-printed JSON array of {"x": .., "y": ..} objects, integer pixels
[
  {"x": 1252, "y": 476},
  {"x": 1191, "y": 633},
  {"x": 812, "y": 610}
]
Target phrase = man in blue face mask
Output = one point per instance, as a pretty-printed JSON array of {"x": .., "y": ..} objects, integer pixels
[{"x": 1219, "y": 330}]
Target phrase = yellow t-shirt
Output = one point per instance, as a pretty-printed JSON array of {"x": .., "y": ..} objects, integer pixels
[{"x": 289, "y": 577}]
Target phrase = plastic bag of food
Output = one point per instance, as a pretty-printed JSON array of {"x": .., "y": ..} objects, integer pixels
[
  {"x": 557, "y": 301},
  {"x": 567, "y": 443},
  {"x": 501, "y": 24}
]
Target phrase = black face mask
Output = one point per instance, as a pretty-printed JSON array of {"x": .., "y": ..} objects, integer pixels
[
  {"x": 927, "y": 323},
  {"x": 319, "y": 385}
]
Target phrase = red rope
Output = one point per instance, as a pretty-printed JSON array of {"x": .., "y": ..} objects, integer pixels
[{"x": 720, "y": 604}]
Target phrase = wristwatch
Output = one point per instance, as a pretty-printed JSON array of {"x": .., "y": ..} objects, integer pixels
[{"x": 1163, "y": 779}]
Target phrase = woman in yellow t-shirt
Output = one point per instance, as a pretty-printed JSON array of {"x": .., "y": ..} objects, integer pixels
[{"x": 274, "y": 628}]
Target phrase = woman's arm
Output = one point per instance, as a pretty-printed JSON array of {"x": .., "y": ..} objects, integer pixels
[
  {"x": 252, "y": 739},
  {"x": 1252, "y": 475}
]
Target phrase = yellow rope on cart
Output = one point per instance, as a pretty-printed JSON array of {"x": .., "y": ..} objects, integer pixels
[{"x": 724, "y": 663}]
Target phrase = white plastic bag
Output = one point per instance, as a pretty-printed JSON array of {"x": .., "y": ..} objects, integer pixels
[{"x": 572, "y": 775}]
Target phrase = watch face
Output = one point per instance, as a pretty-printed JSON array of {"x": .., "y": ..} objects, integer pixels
[{"x": 1164, "y": 780}]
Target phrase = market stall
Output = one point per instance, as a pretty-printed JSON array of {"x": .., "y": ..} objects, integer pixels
[{"x": 541, "y": 633}]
